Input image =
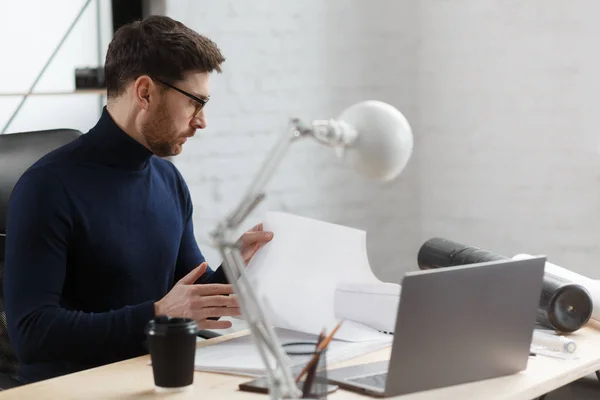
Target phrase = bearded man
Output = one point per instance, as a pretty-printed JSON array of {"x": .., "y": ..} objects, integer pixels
[{"x": 100, "y": 237}]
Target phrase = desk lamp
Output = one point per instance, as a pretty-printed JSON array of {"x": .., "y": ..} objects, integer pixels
[{"x": 373, "y": 138}]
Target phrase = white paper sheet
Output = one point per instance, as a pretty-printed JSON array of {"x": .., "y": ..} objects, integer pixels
[
  {"x": 297, "y": 273},
  {"x": 240, "y": 356},
  {"x": 373, "y": 305}
]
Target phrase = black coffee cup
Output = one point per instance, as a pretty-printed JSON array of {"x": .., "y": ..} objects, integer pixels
[{"x": 172, "y": 345}]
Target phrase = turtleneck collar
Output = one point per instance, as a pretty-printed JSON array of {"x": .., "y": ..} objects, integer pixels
[{"x": 115, "y": 147}]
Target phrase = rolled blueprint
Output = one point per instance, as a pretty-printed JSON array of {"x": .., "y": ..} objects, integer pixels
[
  {"x": 592, "y": 286},
  {"x": 564, "y": 306}
]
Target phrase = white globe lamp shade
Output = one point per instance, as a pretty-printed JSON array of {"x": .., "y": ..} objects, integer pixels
[{"x": 384, "y": 143}]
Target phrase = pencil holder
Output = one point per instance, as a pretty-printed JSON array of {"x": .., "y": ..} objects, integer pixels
[{"x": 313, "y": 383}]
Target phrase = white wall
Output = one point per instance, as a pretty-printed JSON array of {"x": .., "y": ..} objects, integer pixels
[
  {"x": 29, "y": 32},
  {"x": 508, "y": 105},
  {"x": 501, "y": 95},
  {"x": 307, "y": 59}
]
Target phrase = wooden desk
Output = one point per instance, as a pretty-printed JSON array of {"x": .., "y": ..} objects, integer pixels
[{"x": 132, "y": 379}]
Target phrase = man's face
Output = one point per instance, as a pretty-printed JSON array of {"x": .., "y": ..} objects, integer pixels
[{"x": 174, "y": 116}]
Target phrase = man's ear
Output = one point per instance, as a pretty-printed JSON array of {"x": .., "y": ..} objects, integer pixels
[{"x": 144, "y": 90}]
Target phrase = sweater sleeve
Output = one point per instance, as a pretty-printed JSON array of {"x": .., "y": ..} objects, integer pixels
[
  {"x": 40, "y": 224},
  {"x": 190, "y": 256}
]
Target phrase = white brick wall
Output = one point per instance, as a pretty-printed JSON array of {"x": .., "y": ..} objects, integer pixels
[
  {"x": 508, "y": 105},
  {"x": 307, "y": 59},
  {"x": 502, "y": 97}
]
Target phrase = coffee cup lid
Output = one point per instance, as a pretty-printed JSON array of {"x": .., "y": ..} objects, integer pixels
[{"x": 162, "y": 325}]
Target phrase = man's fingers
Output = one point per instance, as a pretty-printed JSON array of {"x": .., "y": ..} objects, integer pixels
[
  {"x": 256, "y": 228},
  {"x": 194, "y": 275},
  {"x": 212, "y": 289},
  {"x": 209, "y": 312},
  {"x": 256, "y": 237},
  {"x": 208, "y": 324},
  {"x": 215, "y": 301}
]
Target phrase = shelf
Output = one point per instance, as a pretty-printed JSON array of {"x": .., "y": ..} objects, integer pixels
[{"x": 73, "y": 92}]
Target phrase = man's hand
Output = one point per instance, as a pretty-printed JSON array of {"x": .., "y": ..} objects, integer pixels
[
  {"x": 199, "y": 301},
  {"x": 253, "y": 240}
]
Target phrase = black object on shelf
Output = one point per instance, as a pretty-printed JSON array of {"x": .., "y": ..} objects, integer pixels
[
  {"x": 89, "y": 78},
  {"x": 564, "y": 306}
]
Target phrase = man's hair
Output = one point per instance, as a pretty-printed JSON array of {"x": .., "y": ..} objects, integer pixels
[{"x": 159, "y": 47}]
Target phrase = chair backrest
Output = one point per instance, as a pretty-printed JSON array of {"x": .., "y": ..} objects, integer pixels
[{"x": 18, "y": 151}]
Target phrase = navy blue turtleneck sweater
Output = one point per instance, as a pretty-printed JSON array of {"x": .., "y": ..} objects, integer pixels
[{"x": 97, "y": 232}]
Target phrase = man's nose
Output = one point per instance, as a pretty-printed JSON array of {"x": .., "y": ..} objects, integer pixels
[{"x": 199, "y": 121}]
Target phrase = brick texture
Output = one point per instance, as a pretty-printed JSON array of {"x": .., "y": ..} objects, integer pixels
[
  {"x": 508, "y": 127},
  {"x": 307, "y": 59},
  {"x": 501, "y": 97}
]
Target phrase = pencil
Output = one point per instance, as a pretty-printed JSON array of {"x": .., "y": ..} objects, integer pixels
[
  {"x": 310, "y": 375},
  {"x": 322, "y": 346}
]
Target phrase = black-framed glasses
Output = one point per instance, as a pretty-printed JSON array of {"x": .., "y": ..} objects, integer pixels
[{"x": 199, "y": 101}]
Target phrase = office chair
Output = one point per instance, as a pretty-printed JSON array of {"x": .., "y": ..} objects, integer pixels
[{"x": 18, "y": 151}]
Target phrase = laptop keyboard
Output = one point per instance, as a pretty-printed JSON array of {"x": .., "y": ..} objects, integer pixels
[{"x": 377, "y": 380}]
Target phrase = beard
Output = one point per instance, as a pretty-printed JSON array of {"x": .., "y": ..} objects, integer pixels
[{"x": 160, "y": 135}]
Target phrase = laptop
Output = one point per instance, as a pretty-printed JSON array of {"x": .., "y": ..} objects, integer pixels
[{"x": 455, "y": 325}]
